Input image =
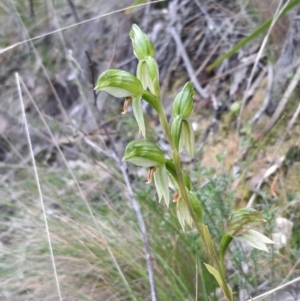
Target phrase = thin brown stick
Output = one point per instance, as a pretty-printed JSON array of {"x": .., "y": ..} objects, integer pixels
[
  {"x": 262, "y": 296},
  {"x": 187, "y": 62},
  {"x": 93, "y": 77},
  {"x": 259, "y": 55},
  {"x": 294, "y": 82},
  {"x": 73, "y": 25},
  {"x": 32, "y": 12}
]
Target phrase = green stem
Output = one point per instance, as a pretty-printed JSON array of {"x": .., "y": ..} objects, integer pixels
[
  {"x": 226, "y": 240},
  {"x": 152, "y": 100}
]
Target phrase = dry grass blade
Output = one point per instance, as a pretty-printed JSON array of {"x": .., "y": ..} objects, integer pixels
[
  {"x": 188, "y": 64},
  {"x": 262, "y": 47},
  {"x": 266, "y": 294},
  {"x": 293, "y": 84},
  {"x": 81, "y": 192},
  {"x": 74, "y": 25},
  {"x": 38, "y": 186},
  {"x": 138, "y": 213}
]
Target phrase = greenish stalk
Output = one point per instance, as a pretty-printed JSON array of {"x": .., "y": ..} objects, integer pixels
[
  {"x": 152, "y": 100},
  {"x": 226, "y": 240}
]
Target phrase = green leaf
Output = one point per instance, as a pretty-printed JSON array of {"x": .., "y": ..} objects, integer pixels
[
  {"x": 142, "y": 45},
  {"x": 161, "y": 180},
  {"x": 187, "y": 138},
  {"x": 244, "y": 219},
  {"x": 144, "y": 153},
  {"x": 183, "y": 104},
  {"x": 139, "y": 115},
  {"x": 225, "y": 287},
  {"x": 176, "y": 130},
  {"x": 250, "y": 37},
  {"x": 119, "y": 84}
]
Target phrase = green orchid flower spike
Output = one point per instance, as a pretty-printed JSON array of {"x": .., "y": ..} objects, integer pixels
[{"x": 168, "y": 173}]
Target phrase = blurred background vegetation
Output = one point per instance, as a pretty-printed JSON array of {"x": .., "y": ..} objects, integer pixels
[{"x": 97, "y": 243}]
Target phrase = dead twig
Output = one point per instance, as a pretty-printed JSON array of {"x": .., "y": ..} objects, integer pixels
[
  {"x": 267, "y": 97},
  {"x": 290, "y": 125},
  {"x": 82, "y": 195},
  {"x": 259, "y": 55},
  {"x": 32, "y": 12},
  {"x": 294, "y": 82},
  {"x": 274, "y": 168},
  {"x": 74, "y": 11},
  {"x": 93, "y": 77},
  {"x": 262, "y": 296},
  {"x": 2, "y": 50},
  {"x": 39, "y": 187},
  {"x": 187, "y": 62},
  {"x": 212, "y": 125},
  {"x": 273, "y": 186}
]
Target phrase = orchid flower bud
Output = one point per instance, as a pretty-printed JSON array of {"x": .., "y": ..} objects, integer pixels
[
  {"x": 142, "y": 45},
  {"x": 241, "y": 226},
  {"x": 183, "y": 104},
  {"x": 244, "y": 219},
  {"x": 176, "y": 130}
]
